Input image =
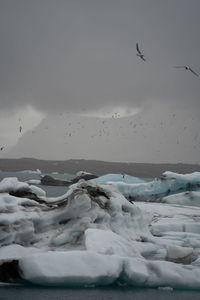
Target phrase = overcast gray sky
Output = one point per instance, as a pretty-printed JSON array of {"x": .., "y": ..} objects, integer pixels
[{"x": 79, "y": 56}]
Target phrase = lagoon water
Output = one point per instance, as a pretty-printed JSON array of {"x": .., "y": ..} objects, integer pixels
[
  {"x": 51, "y": 191},
  {"x": 20, "y": 292},
  {"x": 111, "y": 293}
]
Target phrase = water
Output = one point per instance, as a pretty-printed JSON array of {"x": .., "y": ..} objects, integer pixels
[
  {"x": 24, "y": 293},
  {"x": 51, "y": 191},
  {"x": 26, "y": 175}
]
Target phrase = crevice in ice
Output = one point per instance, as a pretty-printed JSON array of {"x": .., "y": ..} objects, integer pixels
[{"x": 9, "y": 271}]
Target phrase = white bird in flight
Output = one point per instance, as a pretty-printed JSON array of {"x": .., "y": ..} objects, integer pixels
[
  {"x": 139, "y": 52},
  {"x": 187, "y": 68}
]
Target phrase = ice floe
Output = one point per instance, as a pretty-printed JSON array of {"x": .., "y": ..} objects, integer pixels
[
  {"x": 117, "y": 178},
  {"x": 94, "y": 235},
  {"x": 169, "y": 183}
]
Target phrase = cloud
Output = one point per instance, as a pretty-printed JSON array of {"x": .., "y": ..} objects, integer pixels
[
  {"x": 10, "y": 122},
  {"x": 153, "y": 135},
  {"x": 111, "y": 112},
  {"x": 80, "y": 55}
]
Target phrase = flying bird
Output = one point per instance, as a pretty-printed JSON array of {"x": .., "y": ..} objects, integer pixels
[
  {"x": 187, "y": 68},
  {"x": 20, "y": 129},
  {"x": 139, "y": 52},
  {"x": 1, "y": 148}
]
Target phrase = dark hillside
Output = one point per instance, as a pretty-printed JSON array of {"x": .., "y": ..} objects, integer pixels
[{"x": 97, "y": 167}]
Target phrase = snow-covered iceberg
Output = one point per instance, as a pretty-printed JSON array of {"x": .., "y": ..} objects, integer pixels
[
  {"x": 109, "y": 178},
  {"x": 93, "y": 236},
  {"x": 169, "y": 183}
]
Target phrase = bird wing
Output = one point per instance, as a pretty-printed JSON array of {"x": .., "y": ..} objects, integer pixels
[
  {"x": 137, "y": 47},
  {"x": 193, "y": 72}
]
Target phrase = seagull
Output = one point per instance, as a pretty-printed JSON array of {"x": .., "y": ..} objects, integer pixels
[
  {"x": 139, "y": 53},
  {"x": 1, "y": 148},
  {"x": 187, "y": 68}
]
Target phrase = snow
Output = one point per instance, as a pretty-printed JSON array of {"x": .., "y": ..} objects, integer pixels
[
  {"x": 93, "y": 235},
  {"x": 193, "y": 178},
  {"x": 15, "y": 251},
  {"x": 109, "y": 243},
  {"x": 38, "y": 191},
  {"x": 12, "y": 184}
]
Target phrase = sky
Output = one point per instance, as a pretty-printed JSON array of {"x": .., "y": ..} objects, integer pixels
[{"x": 70, "y": 77}]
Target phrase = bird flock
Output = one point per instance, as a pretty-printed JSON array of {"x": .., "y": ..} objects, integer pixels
[
  {"x": 187, "y": 68},
  {"x": 104, "y": 127}
]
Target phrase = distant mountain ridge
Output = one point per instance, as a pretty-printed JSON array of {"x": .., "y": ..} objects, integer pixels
[{"x": 95, "y": 166}]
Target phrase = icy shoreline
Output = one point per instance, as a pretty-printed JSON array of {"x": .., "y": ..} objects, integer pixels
[{"x": 93, "y": 235}]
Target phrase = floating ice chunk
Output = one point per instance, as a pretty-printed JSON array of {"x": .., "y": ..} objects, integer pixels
[
  {"x": 33, "y": 181},
  {"x": 82, "y": 173},
  {"x": 11, "y": 184},
  {"x": 116, "y": 237},
  {"x": 71, "y": 268},
  {"x": 170, "y": 183},
  {"x": 192, "y": 178},
  {"x": 117, "y": 178},
  {"x": 165, "y": 288},
  {"x": 37, "y": 171},
  {"x": 81, "y": 268}
]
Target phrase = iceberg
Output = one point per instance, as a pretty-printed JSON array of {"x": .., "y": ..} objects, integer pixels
[
  {"x": 189, "y": 198},
  {"x": 169, "y": 183},
  {"x": 31, "y": 171},
  {"x": 70, "y": 268},
  {"x": 109, "y": 178},
  {"x": 94, "y": 236},
  {"x": 12, "y": 184}
]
